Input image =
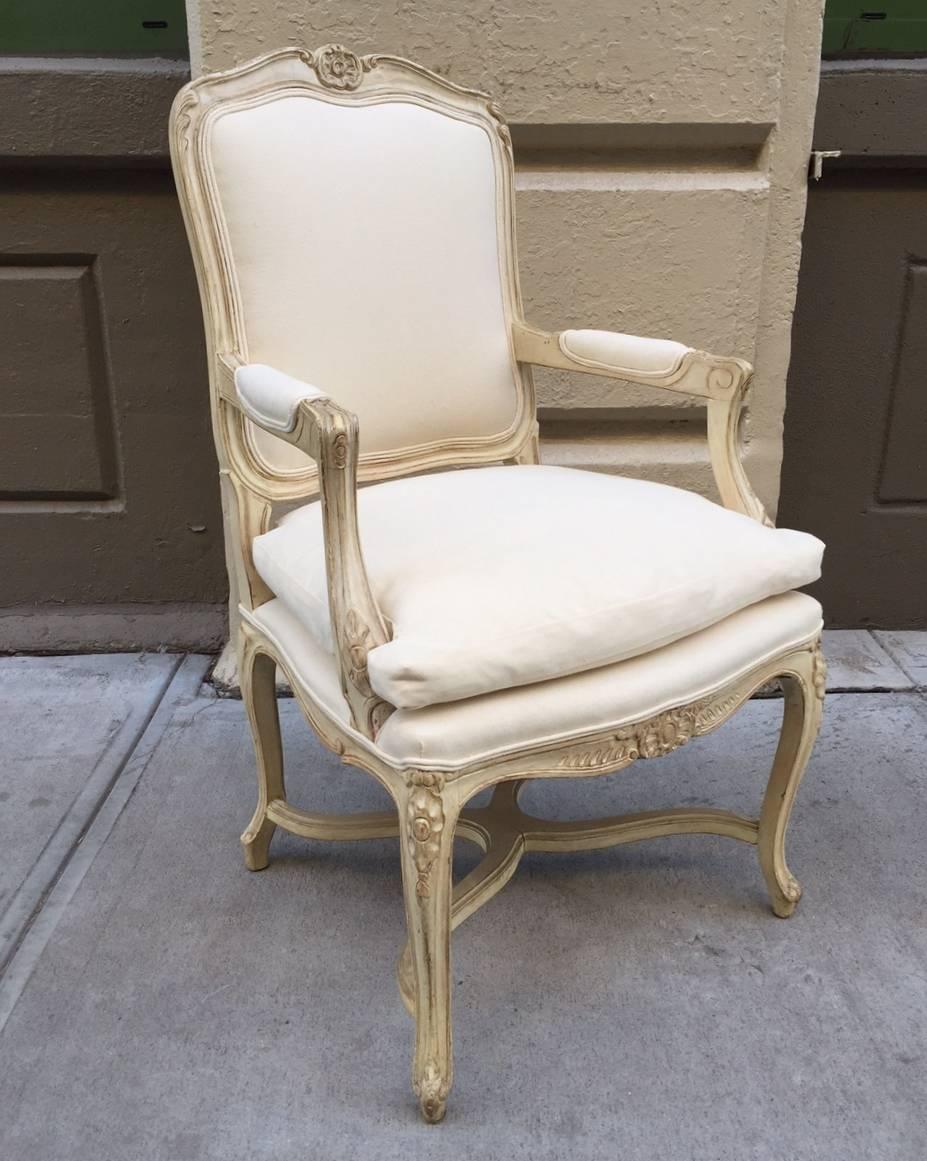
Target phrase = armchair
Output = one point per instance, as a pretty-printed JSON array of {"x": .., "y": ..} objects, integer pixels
[{"x": 453, "y": 615}]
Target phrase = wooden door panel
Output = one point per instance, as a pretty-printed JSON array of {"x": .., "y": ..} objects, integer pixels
[
  {"x": 903, "y": 478},
  {"x": 855, "y": 467}
]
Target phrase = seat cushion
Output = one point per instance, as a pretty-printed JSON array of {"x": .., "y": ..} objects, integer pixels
[
  {"x": 499, "y": 577},
  {"x": 480, "y": 728}
]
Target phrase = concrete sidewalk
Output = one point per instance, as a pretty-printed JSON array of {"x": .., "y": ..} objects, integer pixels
[{"x": 160, "y": 1002}]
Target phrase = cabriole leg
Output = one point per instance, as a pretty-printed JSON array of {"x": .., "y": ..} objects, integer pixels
[
  {"x": 258, "y": 692},
  {"x": 801, "y": 718},
  {"x": 428, "y": 816}
]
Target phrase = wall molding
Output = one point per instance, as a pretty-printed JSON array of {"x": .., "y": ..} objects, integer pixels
[
  {"x": 174, "y": 627},
  {"x": 87, "y": 110}
]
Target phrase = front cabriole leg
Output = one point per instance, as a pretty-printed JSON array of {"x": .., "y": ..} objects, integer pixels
[
  {"x": 428, "y": 811},
  {"x": 803, "y": 691}
]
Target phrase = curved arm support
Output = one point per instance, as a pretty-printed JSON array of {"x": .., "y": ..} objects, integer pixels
[
  {"x": 304, "y": 416},
  {"x": 723, "y": 382}
]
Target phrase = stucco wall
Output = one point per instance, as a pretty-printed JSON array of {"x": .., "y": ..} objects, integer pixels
[{"x": 662, "y": 157}]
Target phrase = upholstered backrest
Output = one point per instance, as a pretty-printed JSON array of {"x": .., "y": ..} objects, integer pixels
[{"x": 355, "y": 215}]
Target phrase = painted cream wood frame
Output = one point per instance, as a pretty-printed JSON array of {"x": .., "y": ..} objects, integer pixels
[{"x": 431, "y": 802}]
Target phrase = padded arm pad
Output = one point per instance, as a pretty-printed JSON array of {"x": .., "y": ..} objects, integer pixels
[
  {"x": 615, "y": 352},
  {"x": 271, "y": 398}
]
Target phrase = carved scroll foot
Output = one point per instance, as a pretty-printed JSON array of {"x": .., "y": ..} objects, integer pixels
[
  {"x": 255, "y": 841},
  {"x": 428, "y": 816},
  {"x": 257, "y": 676},
  {"x": 801, "y": 718},
  {"x": 785, "y": 896},
  {"x": 433, "y": 1088}
]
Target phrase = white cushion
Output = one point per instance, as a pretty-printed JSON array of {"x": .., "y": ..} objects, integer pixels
[
  {"x": 271, "y": 398},
  {"x": 364, "y": 245},
  {"x": 446, "y": 736},
  {"x": 502, "y": 576},
  {"x": 615, "y": 352}
]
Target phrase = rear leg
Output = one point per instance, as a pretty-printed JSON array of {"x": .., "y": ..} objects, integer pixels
[{"x": 258, "y": 674}]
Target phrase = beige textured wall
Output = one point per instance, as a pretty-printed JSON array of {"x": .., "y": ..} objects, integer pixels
[{"x": 662, "y": 157}]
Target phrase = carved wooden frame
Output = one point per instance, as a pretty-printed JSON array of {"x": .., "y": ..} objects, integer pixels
[{"x": 431, "y": 802}]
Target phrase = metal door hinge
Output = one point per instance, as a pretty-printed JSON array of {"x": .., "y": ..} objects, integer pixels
[{"x": 817, "y": 160}]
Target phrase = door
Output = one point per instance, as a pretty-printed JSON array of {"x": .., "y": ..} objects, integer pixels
[
  {"x": 855, "y": 463},
  {"x": 109, "y": 499}
]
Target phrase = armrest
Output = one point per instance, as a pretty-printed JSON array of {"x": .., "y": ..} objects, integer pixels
[
  {"x": 671, "y": 366},
  {"x": 310, "y": 420},
  {"x": 650, "y": 362},
  {"x": 269, "y": 398},
  {"x": 614, "y": 352}
]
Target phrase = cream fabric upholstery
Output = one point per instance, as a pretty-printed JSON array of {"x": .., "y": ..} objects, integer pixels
[
  {"x": 622, "y": 352},
  {"x": 351, "y": 223},
  {"x": 481, "y": 727},
  {"x": 364, "y": 245},
  {"x": 270, "y": 397},
  {"x": 501, "y": 576}
]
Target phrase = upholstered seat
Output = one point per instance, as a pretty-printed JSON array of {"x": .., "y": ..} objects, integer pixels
[
  {"x": 482, "y": 729},
  {"x": 451, "y": 615},
  {"x": 503, "y": 576}
]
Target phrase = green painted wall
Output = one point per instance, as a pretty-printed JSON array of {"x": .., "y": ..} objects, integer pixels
[
  {"x": 892, "y": 27},
  {"x": 93, "y": 27}
]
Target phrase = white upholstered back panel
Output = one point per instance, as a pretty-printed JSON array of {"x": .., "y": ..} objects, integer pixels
[{"x": 364, "y": 245}]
